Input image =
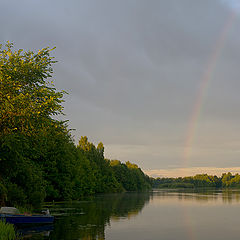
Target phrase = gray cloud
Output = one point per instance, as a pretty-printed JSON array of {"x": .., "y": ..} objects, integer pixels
[{"x": 133, "y": 69}]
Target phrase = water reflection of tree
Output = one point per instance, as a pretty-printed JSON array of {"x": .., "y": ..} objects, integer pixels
[
  {"x": 202, "y": 195},
  {"x": 230, "y": 196},
  {"x": 97, "y": 214}
]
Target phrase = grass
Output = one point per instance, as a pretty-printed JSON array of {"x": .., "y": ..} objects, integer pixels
[
  {"x": 7, "y": 231},
  {"x": 24, "y": 209}
]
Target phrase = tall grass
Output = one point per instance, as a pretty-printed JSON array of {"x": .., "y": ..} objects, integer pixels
[
  {"x": 24, "y": 209},
  {"x": 7, "y": 231}
]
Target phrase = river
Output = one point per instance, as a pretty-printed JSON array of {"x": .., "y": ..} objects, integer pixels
[{"x": 160, "y": 214}]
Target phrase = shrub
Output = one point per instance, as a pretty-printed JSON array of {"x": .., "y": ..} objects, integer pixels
[{"x": 7, "y": 231}]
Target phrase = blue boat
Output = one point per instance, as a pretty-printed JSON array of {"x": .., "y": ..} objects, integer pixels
[{"x": 13, "y": 216}]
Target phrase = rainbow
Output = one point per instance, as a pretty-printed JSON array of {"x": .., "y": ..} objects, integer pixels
[
  {"x": 206, "y": 79},
  {"x": 199, "y": 102}
]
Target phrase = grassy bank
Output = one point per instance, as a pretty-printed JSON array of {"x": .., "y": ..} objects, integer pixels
[{"x": 7, "y": 231}]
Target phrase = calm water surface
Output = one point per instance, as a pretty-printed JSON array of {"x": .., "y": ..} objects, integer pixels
[{"x": 161, "y": 214}]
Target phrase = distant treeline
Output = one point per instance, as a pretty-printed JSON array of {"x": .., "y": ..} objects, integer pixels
[
  {"x": 38, "y": 158},
  {"x": 227, "y": 180}
]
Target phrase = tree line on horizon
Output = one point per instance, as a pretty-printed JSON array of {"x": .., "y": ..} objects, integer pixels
[
  {"x": 227, "y": 180},
  {"x": 38, "y": 158}
]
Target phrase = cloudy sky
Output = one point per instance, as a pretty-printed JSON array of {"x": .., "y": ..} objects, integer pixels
[{"x": 157, "y": 81}]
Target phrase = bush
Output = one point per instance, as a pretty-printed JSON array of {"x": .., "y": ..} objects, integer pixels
[
  {"x": 7, "y": 231},
  {"x": 16, "y": 195},
  {"x": 3, "y": 194}
]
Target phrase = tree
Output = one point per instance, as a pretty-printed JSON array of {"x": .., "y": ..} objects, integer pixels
[
  {"x": 226, "y": 179},
  {"x": 130, "y": 176},
  {"x": 27, "y": 97},
  {"x": 105, "y": 179},
  {"x": 28, "y": 100}
]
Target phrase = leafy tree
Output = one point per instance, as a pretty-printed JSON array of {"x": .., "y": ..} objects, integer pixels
[
  {"x": 105, "y": 179},
  {"x": 27, "y": 97},
  {"x": 235, "y": 181},
  {"x": 27, "y": 102},
  {"x": 130, "y": 176},
  {"x": 226, "y": 179}
]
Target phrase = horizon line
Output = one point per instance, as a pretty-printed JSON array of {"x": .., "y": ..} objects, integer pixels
[{"x": 190, "y": 171}]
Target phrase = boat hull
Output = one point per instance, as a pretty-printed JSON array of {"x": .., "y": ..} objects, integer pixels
[{"x": 23, "y": 219}]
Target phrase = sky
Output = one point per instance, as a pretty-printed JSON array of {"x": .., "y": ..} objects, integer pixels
[{"x": 156, "y": 81}]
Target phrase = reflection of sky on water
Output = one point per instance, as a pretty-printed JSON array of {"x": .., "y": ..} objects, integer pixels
[
  {"x": 193, "y": 198},
  {"x": 161, "y": 214},
  {"x": 183, "y": 216}
]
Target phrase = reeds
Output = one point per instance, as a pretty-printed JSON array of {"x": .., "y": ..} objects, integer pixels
[{"x": 7, "y": 231}]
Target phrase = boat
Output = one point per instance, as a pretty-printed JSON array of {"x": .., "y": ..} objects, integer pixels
[{"x": 13, "y": 216}]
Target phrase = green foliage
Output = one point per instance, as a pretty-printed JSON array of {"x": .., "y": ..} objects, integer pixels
[
  {"x": 27, "y": 102},
  {"x": 3, "y": 193},
  {"x": 235, "y": 181},
  {"x": 130, "y": 176},
  {"x": 27, "y": 98},
  {"x": 16, "y": 195},
  {"x": 105, "y": 179},
  {"x": 199, "y": 181},
  {"x": 7, "y": 231},
  {"x": 38, "y": 159},
  {"x": 24, "y": 209},
  {"x": 226, "y": 179}
]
